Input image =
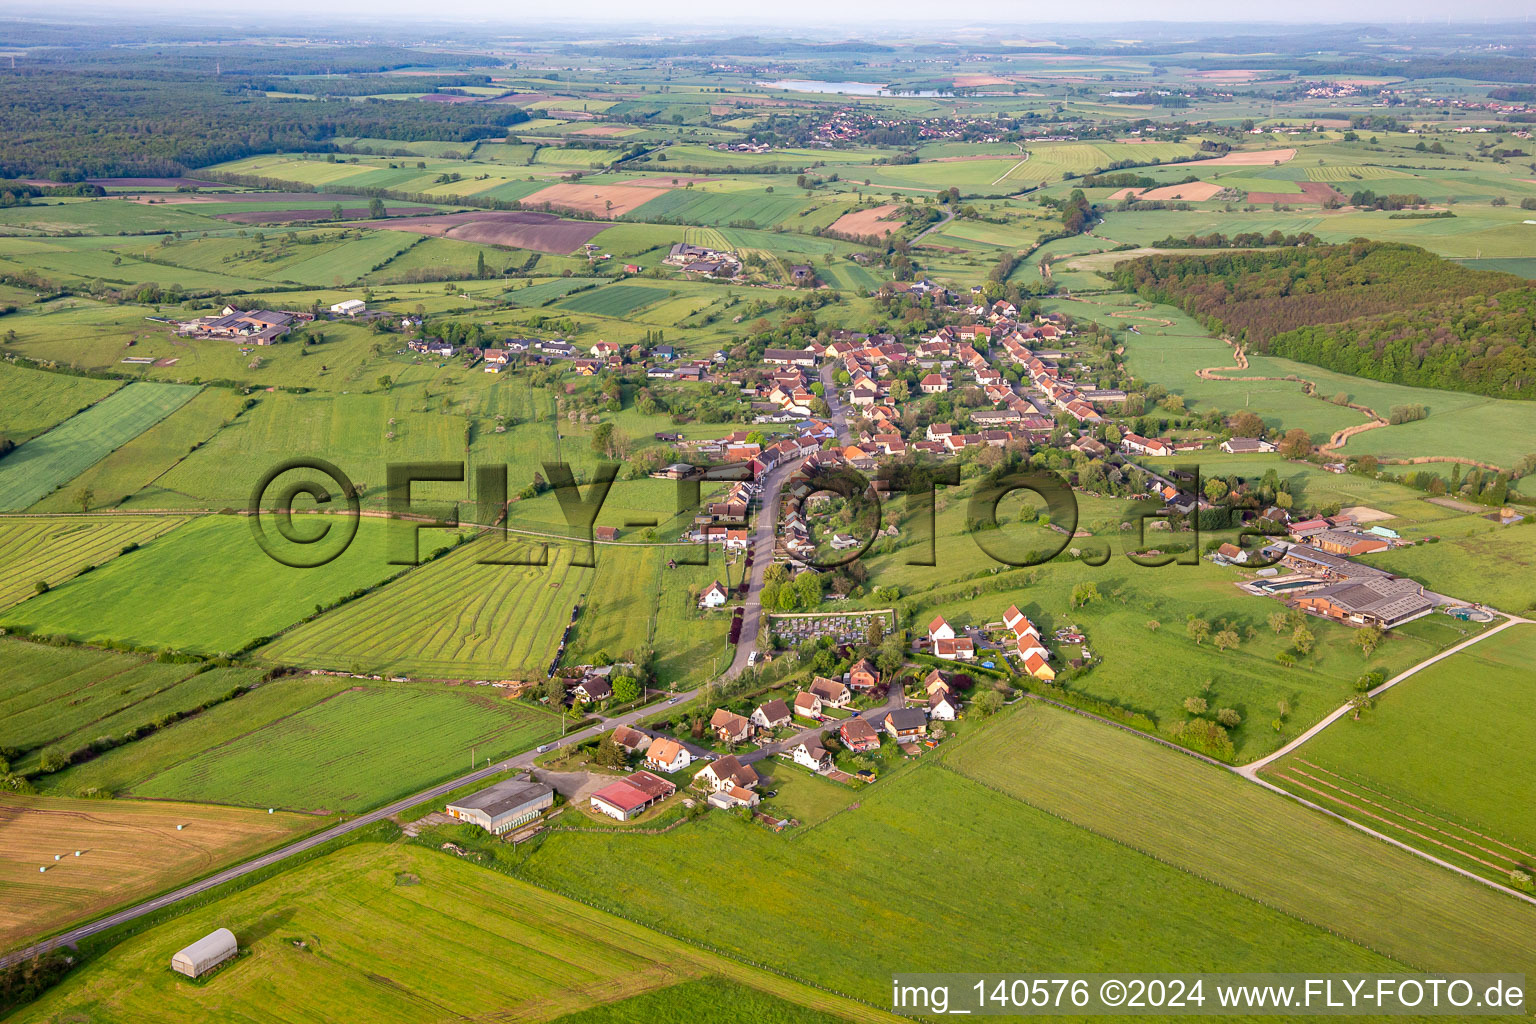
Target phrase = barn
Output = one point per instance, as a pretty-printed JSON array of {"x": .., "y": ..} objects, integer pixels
[
  {"x": 505, "y": 805},
  {"x": 206, "y": 953}
]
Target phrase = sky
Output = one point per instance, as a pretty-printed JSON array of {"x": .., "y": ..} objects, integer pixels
[{"x": 869, "y": 17}]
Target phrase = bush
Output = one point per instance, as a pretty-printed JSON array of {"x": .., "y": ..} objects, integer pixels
[{"x": 53, "y": 761}]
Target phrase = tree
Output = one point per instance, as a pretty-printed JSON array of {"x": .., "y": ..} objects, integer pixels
[
  {"x": 1084, "y": 593},
  {"x": 1229, "y": 718},
  {"x": 1303, "y": 640},
  {"x": 337, "y": 213},
  {"x": 554, "y": 691},
  {"x": 987, "y": 703},
  {"x": 1226, "y": 640},
  {"x": 625, "y": 689},
  {"x": 1360, "y": 702},
  {"x": 875, "y": 633},
  {"x": 85, "y": 498},
  {"x": 1199, "y": 630},
  {"x": 808, "y": 589},
  {"x": 1368, "y": 639},
  {"x": 602, "y": 438},
  {"x": 609, "y": 754},
  {"x": 1295, "y": 444},
  {"x": 1215, "y": 488},
  {"x": 1286, "y": 659},
  {"x": 1247, "y": 424},
  {"x": 1195, "y": 705},
  {"x": 376, "y": 209},
  {"x": 385, "y": 382},
  {"x": 1278, "y": 622}
]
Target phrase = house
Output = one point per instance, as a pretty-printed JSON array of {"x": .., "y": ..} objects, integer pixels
[
  {"x": 943, "y": 707},
  {"x": 714, "y": 596},
  {"x": 831, "y": 692},
  {"x": 808, "y": 705},
  {"x": 1036, "y": 665},
  {"x": 1135, "y": 444},
  {"x": 863, "y": 677},
  {"x": 1349, "y": 544},
  {"x": 505, "y": 805},
  {"x": 632, "y": 795},
  {"x": 858, "y": 735},
  {"x": 957, "y": 649},
  {"x": 906, "y": 724},
  {"x": 724, "y": 772},
  {"x": 936, "y": 682},
  {"x": 844, "y": 541},
  {"x": 729, "y": 726},
  {"x": 632, "y": 268},
  {"x": 667, "y": 756},
  {"x": 591, "y": 690},
  {"x": 1232, "y": 553},
  {"x": 771, "y": 715},
  {"x": 1089, "y": 447},
  {"x": 938, "y": 630},
  {"x": 1383, "y": 601},
  {"x": 812, "y": 755},
  {"x": 349, "y": 307},
  {"x": 733, "y": 796},
  {"x": 606, "y": 533},
  {"x": 1246, "y": 445},
  {"x": 933, "y": 384},
  {"x": 632, "y": 740},
  {"x": 431, "y": 347}
]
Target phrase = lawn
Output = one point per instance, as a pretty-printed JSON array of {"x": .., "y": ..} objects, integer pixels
[
  {"x": 130, "y": 850},
  {"x": 452, "y": 619},
  {"x": 204, "y": 587},
  {"x": 1444, "y": 762},
  {"x": 53, "y": 459},
  {"x": 340, "y": 940},
  {"x": 1247, "y": 841},
  {"x": 353, "y": 750},
  {"x": 31, "y": 401},
  {"x": 47, "y": 550}
]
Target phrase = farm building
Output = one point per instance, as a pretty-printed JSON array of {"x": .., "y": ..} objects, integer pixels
[
  {"x": 632, "y": 795},
  {"x": 349, "y": 307},
  {"x": 206, "y": 953},
  {"x": 1383, "y": 601},
  {"x": 505, "y": 805}
]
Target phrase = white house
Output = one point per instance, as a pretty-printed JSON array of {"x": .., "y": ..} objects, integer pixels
[
  {"x": 943, "y": 707},
  {"x": 807, "y": 705},
  {"x": 812, "y": 755},
  {"x": 938, "y": 630},
  {"x": 667, "y": 756},
  {"x": 349, "y": 307},
  {"x": 714, "y": 596}
]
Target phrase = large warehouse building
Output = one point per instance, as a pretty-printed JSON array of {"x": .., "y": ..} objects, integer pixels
[
  {"x": 206, "y": 953},
  {"x": 505, "y": 805}
]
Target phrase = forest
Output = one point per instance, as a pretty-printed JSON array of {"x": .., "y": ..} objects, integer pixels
[{"x": 1385, "y": 311}]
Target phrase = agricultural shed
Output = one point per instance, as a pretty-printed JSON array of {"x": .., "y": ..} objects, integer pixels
[
  {"x": 505, "y": 805},
  {"x": 206, "y": 953}
]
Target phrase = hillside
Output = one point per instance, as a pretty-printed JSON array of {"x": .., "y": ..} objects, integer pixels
[{"x": 1385, "y": 311}]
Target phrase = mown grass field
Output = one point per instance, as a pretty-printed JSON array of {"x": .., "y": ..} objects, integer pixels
[
  {"x": 31, "y": 401},
  {"x": 452, "y": 619},
  {"x": 129, "y": 850},
  {"x": 612, "y": 300},
  {"x": 1220, "y": 827},
  {"x": 360, "y": 914},
  {"x": 353, "y": 750},
  {"x": 53, "y": 459},
  {"x": 204, "y": 587},
  {"x": 53, "y": 550},
  {"x": 1443, "y": 762},
  {"x": 1474, "y": 559}
]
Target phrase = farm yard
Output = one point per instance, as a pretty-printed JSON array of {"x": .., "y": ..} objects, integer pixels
[{"x": 129, "y": 849}]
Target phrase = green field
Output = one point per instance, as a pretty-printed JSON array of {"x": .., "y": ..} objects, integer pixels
[
  {"x": 353, "y": 750},
  {"x": 53, "y": 459},
  {"x": 614, "y": 300},
  {"x": 53, "y": 550},
  {"x": 205, "y": 587},
  {"x": 1442, "y": 763},
  {"x": 32, "y": 401},
  {"x": 344, "y": 943}
]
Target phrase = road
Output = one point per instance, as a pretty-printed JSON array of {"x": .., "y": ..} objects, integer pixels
[
  {"x": 938, "y": 225},
  {"x": 839, "y": 414},
  {"x": 764, "y": 539}
]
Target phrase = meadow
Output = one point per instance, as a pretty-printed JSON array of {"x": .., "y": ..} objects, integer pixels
[
  {"x": 1443, "y": 761},
  {"x": 345, "y": 944},
  {"x": 612, "y": 300},
  {"x": 1236, "y": 835},
  {"x": 32, "y": 401},
  {"x": 1473, "y": 558},
  {"x": 205, "y": 587},
  {"x": 130, "y": 850},
  {"x": 53, "y": 550},
  {"x": 353, "y": 750},
  {"x": 51, "y": 460}
]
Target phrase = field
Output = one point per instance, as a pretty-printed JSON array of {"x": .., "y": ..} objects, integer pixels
[
  {"x": 1244, "y": 839},
  {"x": 346, "y": 946},
  {"x": 203, "y": 587},
  {"x": 541, "y": 232},
  {"x": 603, "y": 199},
  {"x": 453, "y": 619},
  {"x": 32, "y": 401},
  {"x": 353, "y": 750},
  {"x": 51, "y": 460},
  {"x": 1442, "y": 763},
  {"x": 53, "y": 550},
  {"x": 129, "y": 850},
  {"x": 876, "y": 220},
  {"x": 614, "y": 300}
]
